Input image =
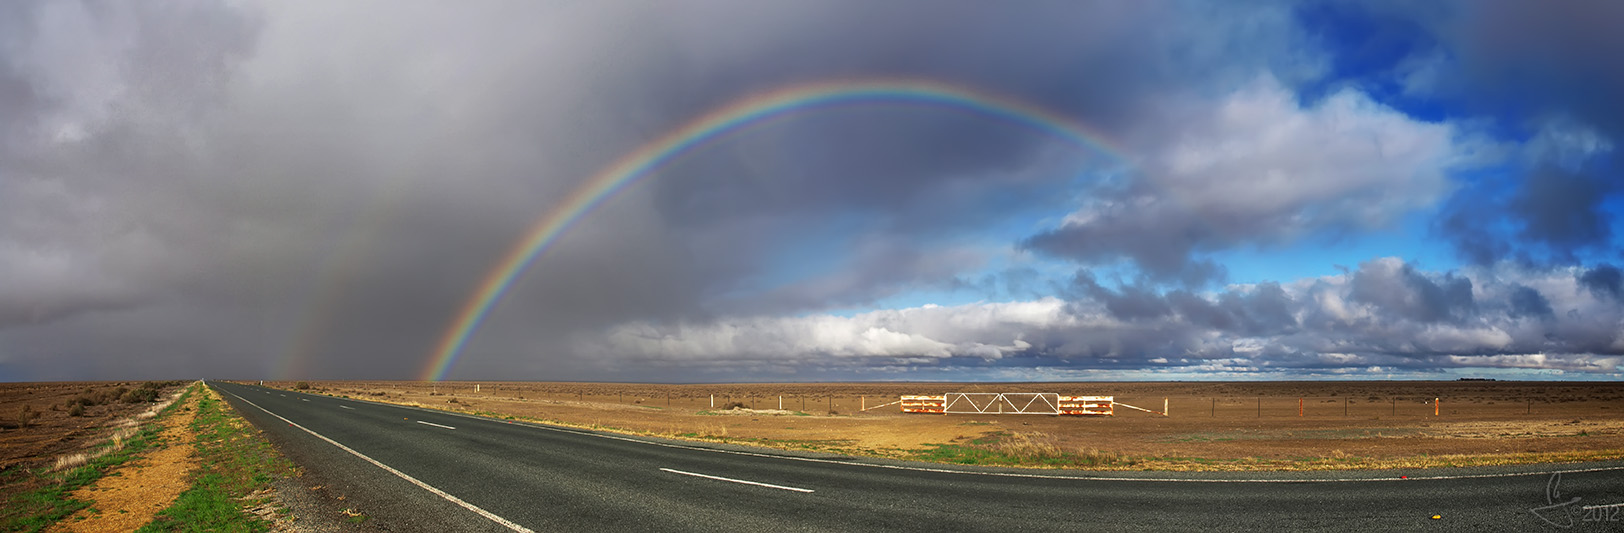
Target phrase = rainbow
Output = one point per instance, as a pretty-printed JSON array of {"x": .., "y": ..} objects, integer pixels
[{"x": 713, "y": 125}]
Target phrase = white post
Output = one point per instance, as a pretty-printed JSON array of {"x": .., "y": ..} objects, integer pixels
[
  {"x": 1164, "y": 406},
  {"x": 476, "y": 387},
  {"x": 713, "y": 401},
  {"x": 780, "y": 403}
]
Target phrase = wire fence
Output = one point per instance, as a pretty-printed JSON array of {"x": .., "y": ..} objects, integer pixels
[{"x": 851, "y": 399}]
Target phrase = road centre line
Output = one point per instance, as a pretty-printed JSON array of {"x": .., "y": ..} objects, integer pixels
[
  {"x": 346, "y": 407},
  {"x": 435, "y": 425},
  {"x": 720, "y": 478},
  {"x": 425, "y": 486},
  {"x": 1083, "y": 477}
]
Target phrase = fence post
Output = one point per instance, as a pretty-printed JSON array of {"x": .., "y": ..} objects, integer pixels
[
  {"x": 1299, "y": 406},
  {"x": 1215, "y": 408},
  {"x": 1434, "y": 407},
  {"x": 1344, "y": 408},
  {"x": 780, "y": 403},
  {"x": 1260, "y": 407},
  {"x": 1164, "y": 407},
  {"x": 713, "y": 401}
]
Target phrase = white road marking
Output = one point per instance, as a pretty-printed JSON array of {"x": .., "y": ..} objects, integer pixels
[
  {"x": 425, "y": 486},
  {"x": 346, "y": 407},
  {"x": 720, "y": 478},
  {"x": 435, "y": 425},
  {"x": 304, "y": 399},
  {"x": 1081, "y": 477}
]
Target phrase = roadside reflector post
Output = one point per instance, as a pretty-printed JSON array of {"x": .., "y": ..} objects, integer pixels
[
  {"x": 713, "y": 401},
  {"x": 780, "y": 403},
  {"x": 1164, "y": 407},
  {"x": 862, "y": 403},
  {"x": 1435, "y": 407},
  {"x": 1299, "y": 407}
]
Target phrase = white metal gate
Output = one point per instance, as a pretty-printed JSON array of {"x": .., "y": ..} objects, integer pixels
[{"x": 1008, "y": 403}]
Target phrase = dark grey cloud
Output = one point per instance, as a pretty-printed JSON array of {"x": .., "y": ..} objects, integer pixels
[
  {"x": 1563, "y": 209},
  {"x": 1603, "y": 280},
  {"x": 1407, "y": 293},
  {"x": 1527, "y": 302}
]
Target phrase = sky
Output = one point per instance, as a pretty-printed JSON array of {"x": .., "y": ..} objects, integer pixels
[{"x": 1269, "y": 190}]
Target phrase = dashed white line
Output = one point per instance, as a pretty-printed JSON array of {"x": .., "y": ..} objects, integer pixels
[
  {"x": 720, "y": 478},
  {"x": 435, "y": 425},
  {"x": 346, "y": 407},
  {"x": 425, "y": 486},
  {"x": 304, "y": 399}
]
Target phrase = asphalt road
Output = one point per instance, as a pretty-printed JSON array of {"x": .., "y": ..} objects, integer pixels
[{"x": 426, "y": 470}]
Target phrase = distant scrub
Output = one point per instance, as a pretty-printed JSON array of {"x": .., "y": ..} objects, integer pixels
[{"x": 145, "y": 393}]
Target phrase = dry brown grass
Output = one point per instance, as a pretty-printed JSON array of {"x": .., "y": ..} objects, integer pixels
[{"x": 1241, "y": 426}]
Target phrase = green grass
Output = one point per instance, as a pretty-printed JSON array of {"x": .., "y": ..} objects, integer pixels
[
  {"x": 1003, "y": 448},
  {"x": 236, "y": 461},
  {"x": 39, "y": 508}
]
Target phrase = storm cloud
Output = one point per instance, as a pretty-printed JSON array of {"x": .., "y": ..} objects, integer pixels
[{"x": 287, "y": 189}]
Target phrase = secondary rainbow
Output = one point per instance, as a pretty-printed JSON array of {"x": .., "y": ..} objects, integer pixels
[{"x": 718, "y": 123}]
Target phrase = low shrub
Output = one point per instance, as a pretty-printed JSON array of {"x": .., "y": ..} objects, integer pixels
[
  {"x": 140, "y": 395},
  {"x": 26, "y": 415}
]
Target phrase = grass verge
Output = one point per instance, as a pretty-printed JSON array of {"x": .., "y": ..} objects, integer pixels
[
  {"x": 39, "y": 508},
  {"x": 236, "y": 462}
]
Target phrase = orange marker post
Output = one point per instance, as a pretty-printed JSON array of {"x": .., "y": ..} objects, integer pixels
[
  {"x": 1435, "y": 407},
  {"x": 1299, "y": 407}
]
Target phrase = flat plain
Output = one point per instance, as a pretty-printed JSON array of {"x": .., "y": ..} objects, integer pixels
[{"x": 1209, "y": 425}]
